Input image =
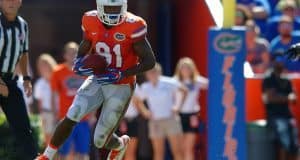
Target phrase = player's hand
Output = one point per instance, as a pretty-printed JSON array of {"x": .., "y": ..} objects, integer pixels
[
  {"x": 79, "y": 70},
  {"x": 293, "y": 52},
  {"x": 4, "y": 90},
  {"x": 27, "y": 88},
  {"x": 111, "y": 77}
]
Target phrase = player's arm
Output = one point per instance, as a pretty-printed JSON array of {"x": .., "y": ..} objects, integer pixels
[
  {"x": 84, "y": 48},
  {"x": 146, "y": 56}
]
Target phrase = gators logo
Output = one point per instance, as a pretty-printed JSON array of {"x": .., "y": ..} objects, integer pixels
[
  {"x": 228, "y": 43},
  {"x": 119, "y": 37}
]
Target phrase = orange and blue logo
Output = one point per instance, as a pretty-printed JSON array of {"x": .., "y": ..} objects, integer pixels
[
  {"x": 228, "y": 43},
  {"x": 119, "y": 36},
  {"x": 226, "y": 96}
]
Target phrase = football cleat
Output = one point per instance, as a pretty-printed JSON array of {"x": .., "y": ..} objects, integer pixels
[{"x": 118, "y": 154}]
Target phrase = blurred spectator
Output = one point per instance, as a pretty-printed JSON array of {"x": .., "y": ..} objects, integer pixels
[
  {"x": 242, "y": 15},
  {"x": 188, "y": 75},
  {"x": 273, "y": 4},
  {"x": 64, "y": 85},
  {"x": 163, "y": 97},
  {"x": 42, "y": 93},
  {"x": 20, "y": 82},
  {"x": 298, "y": 9},
  {"x": 257, "y": 49},
  {"x": 282, "y": 42},
  {"x": 287, "y": 8},
  {"x": 277, "y": 94},
  {"x": 260, "y": 9}
]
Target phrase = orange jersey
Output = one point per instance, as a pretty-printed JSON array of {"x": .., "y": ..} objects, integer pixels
[
  {"x": 65, "y": 83},
  {"x": 116, "y": 43}
]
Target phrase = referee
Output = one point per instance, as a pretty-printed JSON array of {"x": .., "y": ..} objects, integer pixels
[{"x": 13, "y": 51}]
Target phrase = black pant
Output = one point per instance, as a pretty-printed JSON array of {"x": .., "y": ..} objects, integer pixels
[{"x": 15, "y": 110}]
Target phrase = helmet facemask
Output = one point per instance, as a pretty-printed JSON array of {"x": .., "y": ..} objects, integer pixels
[{"x": 112, "y": 12}]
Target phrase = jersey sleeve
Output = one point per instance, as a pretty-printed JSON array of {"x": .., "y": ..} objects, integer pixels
[
  {"x": 84, "y": 27},
  {"x": 139, "y": 31}
]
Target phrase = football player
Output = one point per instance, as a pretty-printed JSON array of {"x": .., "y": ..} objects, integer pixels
[
  {"x": 293, "y": 52},
  {"x": 120, "y": 37}
]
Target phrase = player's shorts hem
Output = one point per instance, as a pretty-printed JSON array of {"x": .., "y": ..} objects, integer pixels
[{"x": 72, "y": 119}]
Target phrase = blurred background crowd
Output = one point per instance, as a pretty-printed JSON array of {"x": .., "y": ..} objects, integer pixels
[{"x": 166, "y": 103}]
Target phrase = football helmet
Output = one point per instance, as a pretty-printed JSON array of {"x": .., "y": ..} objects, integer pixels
[{"x": 111, "y": 19}]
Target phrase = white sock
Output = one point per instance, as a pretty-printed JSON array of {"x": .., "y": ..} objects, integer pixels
[
  {"x": 50, "y": 152},
  {"x": 121, "y": 146}
]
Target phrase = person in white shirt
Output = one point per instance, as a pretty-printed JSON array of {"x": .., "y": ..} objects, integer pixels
[
  {"x": 42, "y": 93},
  {"x": 163, "y": 96},
  {"x": 187, "y": 74}
]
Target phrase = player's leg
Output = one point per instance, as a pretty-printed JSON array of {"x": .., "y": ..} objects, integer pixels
[
  {"x": 82, "y": 141},
  {"x": 116, "y": 99},
  {"x": 65, "y": 149},
  {"x": 174, "y": 132},
  {"x": 88, "y": 98}
]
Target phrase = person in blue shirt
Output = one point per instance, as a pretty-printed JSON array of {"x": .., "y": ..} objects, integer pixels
[
  {"x": 242, "y": 15},
  {"x": 260, "y": 10},
  {"x": 287, "y": 8},
  {"x": 282, "y": 42}
]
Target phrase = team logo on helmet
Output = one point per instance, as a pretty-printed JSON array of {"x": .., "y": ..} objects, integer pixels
[{"x": 119, "y": 36}]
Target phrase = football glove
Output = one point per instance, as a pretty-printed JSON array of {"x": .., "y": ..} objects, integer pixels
[
  {"x": 111, "y": 77},
  {"x": 293, "y": 52},
  {"x": 78, "y": 68}
]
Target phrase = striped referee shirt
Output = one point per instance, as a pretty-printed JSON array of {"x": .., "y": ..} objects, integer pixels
[{"x": 13, "y": 42}]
